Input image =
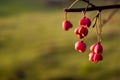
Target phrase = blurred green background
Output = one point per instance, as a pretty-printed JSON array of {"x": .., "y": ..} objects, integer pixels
[{"x": 33, "y": 45}]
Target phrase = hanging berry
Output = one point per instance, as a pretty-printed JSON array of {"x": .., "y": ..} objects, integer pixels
[
  {"x": 81, "y": 32},
  {"x": 91, "y": 56},
  {"x": 96, "y": 53},
  {"x": 80, "y": 46},
  {"x": 97, "y": 57},
  {"x": 92, "y": 48},
  {"x": 66, "y": 25},
  {"x": 86, "y": 22},
  {"x": 97, "y": 48}
]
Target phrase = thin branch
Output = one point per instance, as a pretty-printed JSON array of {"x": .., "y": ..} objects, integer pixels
[
  {"x": 93, "y": 8},
  {"x": 87, "y": 1},
  {"x": 111, "y": 14},
  {"x": 73, "y": 4},
  {"x": 109, "y": 17}
]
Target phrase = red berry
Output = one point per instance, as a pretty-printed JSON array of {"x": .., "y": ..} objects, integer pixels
[
  {"x": 93, "y": 47},
  {"x": 83, "y": 31},
  {"x": 80, "y": 46},
  {"x": 80, "y": 36},
  {"x": 85, "y": 22},
  {"x": 66, "y": 25},
  {"x": 98, "y": 48},
  {"x": 76, "y": 30},
  {"x": 97, "y": 57},
  {"x": 91, "y": 56}
]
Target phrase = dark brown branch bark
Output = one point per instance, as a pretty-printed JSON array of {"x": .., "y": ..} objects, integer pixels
[{"x": 93, "y": 8}]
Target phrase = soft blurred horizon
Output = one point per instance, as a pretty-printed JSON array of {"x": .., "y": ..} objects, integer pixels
[{"x": 33, "y": 45}]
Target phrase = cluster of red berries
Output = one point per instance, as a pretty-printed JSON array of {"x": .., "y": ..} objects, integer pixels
[
  {"x": 96, "y": 52},
  {"x": 82, "y": 31},
  {"x": 96, "y": 49}
]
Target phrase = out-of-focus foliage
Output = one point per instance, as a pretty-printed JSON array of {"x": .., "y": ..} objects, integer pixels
[{"x": 33, "y": 45}]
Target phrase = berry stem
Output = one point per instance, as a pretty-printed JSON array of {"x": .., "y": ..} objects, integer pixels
[
  {"x": 100, "y": 27},
  {"x": 82, "y": 39},
  {"x": 97, "y": 29},
  {"x": 100, "y": 23},
  {"x": 86, "y": 8},
  {"x": 65, "y": 15},
  {"x": 83, "y": 12},
  {"x": 95, "y": 18},
  {"x": 94, "y": 22}
]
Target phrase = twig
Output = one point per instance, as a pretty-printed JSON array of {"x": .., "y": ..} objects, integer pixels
[
  {"x": 73, "y": 4},
  {"x": 92, "y": 8},
  {"x": 109, "y": 17},
  {"x": 111, "y": 14},
  {"x": 87, "y": 1}
]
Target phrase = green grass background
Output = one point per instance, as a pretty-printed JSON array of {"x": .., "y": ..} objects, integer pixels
[{"x": 33, "y": 45}]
